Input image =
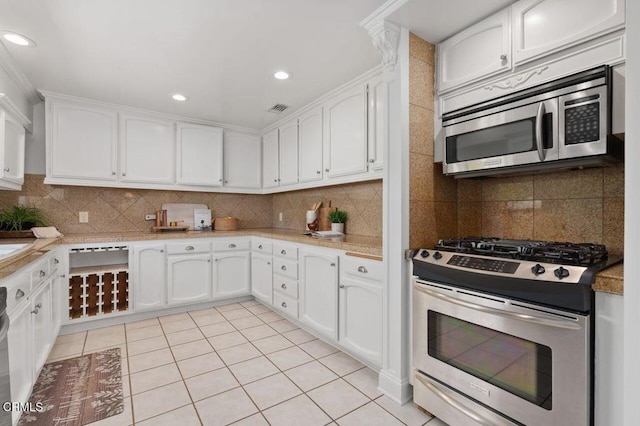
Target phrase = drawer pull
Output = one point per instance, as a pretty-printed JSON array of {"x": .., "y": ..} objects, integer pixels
[
  {"x": 283, "y": 252},
  {"x": 39, "y": 305},
  {"x": 260, "y": 246},
  {"x": 232, "y": 245},
  {"x": 283, "y": 304},
  {"x": 19, "y": 294},
  {"x": 189, "y": 248},
  {"x": 35, "y": 311},
  {"x": 55, "y": 260},
  {"x": 333, "y": 264},
  {"x": 362, "y": 269},
  {"x": 43, "y": 273},
  {"x": 284, "y": 268},
  {"x": 341, "y": 285},
  {"x": 284, "y": 286},
  {"x": 268, "y": 263}
]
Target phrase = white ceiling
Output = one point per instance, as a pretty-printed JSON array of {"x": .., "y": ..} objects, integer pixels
[{"x": 220, "y": 53}]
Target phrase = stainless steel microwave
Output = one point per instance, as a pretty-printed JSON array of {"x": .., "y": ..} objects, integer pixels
[{"x": 562, "y": 124}]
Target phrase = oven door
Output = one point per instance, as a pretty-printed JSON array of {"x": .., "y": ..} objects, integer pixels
[
  {"x": 528, "y": 363},
  {"x": 512, "y": 137}
]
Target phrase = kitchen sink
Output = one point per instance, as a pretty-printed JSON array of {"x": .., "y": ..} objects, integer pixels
[{"x": 8, "y": 250}]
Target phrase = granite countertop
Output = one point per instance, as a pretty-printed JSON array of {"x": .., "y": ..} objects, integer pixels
[
  {"x": 13, "y": 263},
  {"x": 610, "y": 280}
]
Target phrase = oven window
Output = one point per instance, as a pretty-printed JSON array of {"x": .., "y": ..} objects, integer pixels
[
  {"x": 505, "y": 139},
  {"x": 518, "y": 366}
]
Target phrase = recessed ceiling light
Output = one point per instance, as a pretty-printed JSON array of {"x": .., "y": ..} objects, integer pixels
[
  {"x": 179, "y": 97},
  {"x": 18, "y": 39},
  {"x": 282, "y": 75}
]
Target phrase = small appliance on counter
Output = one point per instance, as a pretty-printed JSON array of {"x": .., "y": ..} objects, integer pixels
[{"x": 202, "y": 219}]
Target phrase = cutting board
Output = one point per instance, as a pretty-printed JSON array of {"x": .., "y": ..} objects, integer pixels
[
  {"x": 324, "y": 224},
  {"x": 182, "y": 212}
]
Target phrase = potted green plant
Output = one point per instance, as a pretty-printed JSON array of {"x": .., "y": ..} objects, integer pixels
[
  {"x": 338, "y": 218},
  {"x": 17, "y": 221}
]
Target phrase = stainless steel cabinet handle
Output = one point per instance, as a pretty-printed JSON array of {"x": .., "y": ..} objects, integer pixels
[
  {"x": 503, "y": 57},
  {"x": 232, "y": 245},
  {"x": 283, "y": 304},
  {"x": 189, "y": 248},
  {"x": 260, "y": 246},
  {"x": 284, "y": 268},
  {"x": 362, "y": 269},
  {"x": 283, "y": 252},
  {"x": 35, "y": 311},
  {"x": 43, "y": 273},
  {"x": 284, "y": 286},
  {"x": 19, "y": 294}
]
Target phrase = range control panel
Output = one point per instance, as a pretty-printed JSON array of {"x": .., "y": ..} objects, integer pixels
[{"x": 493, "y": 265}]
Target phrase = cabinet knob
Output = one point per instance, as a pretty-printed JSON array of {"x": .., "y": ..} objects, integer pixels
[
  {"x": 283, "y": 252},
  {"x": 62, "y": 275},
  {"x": 189, "y": 248},
  {"x": 362, "y": 269},
  {"x": 284, "y": 286},
  {"x": 42, "y": 273},
  {"x": 503, "y": 57},
  {"x": 19, "y": 294},
  {"x": 268, "y": 263},
  {"x": 219, "y": 180},
  {"x": 162, "y": 251},
  {"x": 283, "y": 304},
  {"x": 226, "y": 181},
  {"x": 124, "y": 174},
  {"x": 284, "y": 268},
  {"x": 275, "y": 180},
  {"x": 232, "y": 245},
  {"x": 35, "y": 311},
  {"x": 56, "y": 261},
  {"x": 371, "y": 160},
  {"x": 326, "y": 170},
  {"x": 318, "y": 172},
  {"x": 333, "y": 264},
  {"x": 39, "y": 305},
  {"x": 6, "y": 169},
  {"x": 341, "y": 285},
  {"x": 113, "y": 173},
  {"x": 260, "y": 246}
]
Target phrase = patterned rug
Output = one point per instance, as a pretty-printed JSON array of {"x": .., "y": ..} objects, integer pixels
[{"x": 77, "y": 391}]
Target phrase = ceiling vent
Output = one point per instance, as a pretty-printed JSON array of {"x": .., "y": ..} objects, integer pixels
[{"x": 278, "y": 108}]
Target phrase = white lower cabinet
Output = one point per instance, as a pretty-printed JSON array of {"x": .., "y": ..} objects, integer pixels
[
  {"x": 189, "y": 278},
  {"x": 41, "y": 328},
  {"x": 232, "y": 274},
  {"x": 319, "y": 292},
  {"x": 262, "y": 278},
  {"x": 149, "y": 275},
  {"x": 20, "y": 353}
]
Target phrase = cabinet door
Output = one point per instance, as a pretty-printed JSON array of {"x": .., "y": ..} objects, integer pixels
[
  {"x": 361, "y": 318},
  {"x": 58, "y": 292},
  {"x": 12, "y": 138},
  {"x": 345, "y": 133},
  {"x": 41, "y": 329},
  {"x": 289, "y": 153},
  {"x": 149, "y": 277},
  {"x": 310, "y": 145},
  {"x": 20, "y": 356},
  {"x": 270, "y": 160},
  {"x": 319, "y": 293},
  {"x": 544, "y": 26},
  {"x": 242, "y": 160},
  {"x": 262, "y": 278},
  {"x": 377, "y": 114},
  {"x": 83, "y": 142},
  {"x": 199, "y": 155},
  {"x": 147, "y": 149},
  {"x": 232, "y": 274},
  {"x": 189, "y": 279},
  {"x": 476, "y": 53}
]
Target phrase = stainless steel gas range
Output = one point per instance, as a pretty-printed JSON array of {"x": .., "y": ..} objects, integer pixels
[{"x": 503, "y": 331}]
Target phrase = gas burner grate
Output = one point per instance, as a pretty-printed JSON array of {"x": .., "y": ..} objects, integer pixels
[{"x": 538, "y": 251}]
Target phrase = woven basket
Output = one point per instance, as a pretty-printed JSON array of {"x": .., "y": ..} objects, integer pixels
[{"x": 226, "y": 223}]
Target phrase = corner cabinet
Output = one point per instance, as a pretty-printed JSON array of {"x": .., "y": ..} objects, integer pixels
[
  {"x": 480, "y": 51},
  {"x": 199, "y": 155},
  {"x": 149, "y": 276},
  {"x": 345, "y": 133},
  {"x": 82, "y": 142},
  {"x": 242, "y": 160},
  {"x": 318, "y": 304},
  {"x": 543, "y": 26},
  {"x": 147, "y": 147},
  {"x": 189, "y": 278},
  {"x": 270, "y": 160}
]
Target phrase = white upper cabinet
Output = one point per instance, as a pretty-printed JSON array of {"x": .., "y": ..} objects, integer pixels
[
  {"x": 270, "y": 159},
  {"x": 377, "y": 114},
  {"x": 242, "y": 160},
  {"x": 289, "y": 153},
  {"x": 147, "y": 149},
  {"x": 310, "y": 145},
  {"x": 83, "y": 142},
  {"x": 199, "y": 155},
  {"x": 478, "y": 52},
  {"x": 544, "y": 26},
  {"x": 12, "y": 139},
  {"x": 345, "y": 133}
]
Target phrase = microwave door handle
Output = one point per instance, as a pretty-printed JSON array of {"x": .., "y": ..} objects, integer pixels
[{"x": 539, "y": 135}]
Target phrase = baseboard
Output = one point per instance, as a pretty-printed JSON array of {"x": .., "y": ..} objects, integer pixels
[{"x": 399, "y": 390}]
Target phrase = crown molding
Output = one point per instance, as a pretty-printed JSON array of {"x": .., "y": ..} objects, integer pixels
[
  {"x": 17, "y": 76},
  {"x": 11, "y": 108},
  {"x": 381, "y": 13}
]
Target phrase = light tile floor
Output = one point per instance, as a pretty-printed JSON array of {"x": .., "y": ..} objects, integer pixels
[{"x": 238, "y": 364}]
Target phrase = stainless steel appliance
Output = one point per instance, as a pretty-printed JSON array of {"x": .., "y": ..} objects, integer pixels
[
  {"x": 503, "y": 331},
  {"x": 5, "y": 384},
  {"x": 562, "y": 124}
]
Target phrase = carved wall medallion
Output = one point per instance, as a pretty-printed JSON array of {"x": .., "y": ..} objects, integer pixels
[{"x": 515, "y": 81}]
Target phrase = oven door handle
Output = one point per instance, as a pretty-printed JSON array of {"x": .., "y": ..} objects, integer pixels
[
  {"x": 451, "y": 398},
  {"x": 539, "y": 135},
  {"x": 552, "y": 322}
]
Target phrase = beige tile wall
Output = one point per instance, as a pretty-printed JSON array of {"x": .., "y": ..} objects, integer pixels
[
  {"x": 362, "y": 201},
  {"x": 433, "y": 196},
  {"x": 112, "y": 210}
]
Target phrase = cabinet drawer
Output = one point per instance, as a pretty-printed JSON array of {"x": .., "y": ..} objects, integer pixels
[
  {"x": 286, "y": 268},
  {"x": 190, "y": 247},
  {"x": 18, "y": 290},
  {"x": 286, "y": 251},
  {"x": 39, "y": 273},
  {"x": 286, "y": 285},
  {"x": 285, "y": 304},
  {"x": 261, "y": 246},
  {"x": 362, "y": 268},
  {"x": 231, "y": 245}
]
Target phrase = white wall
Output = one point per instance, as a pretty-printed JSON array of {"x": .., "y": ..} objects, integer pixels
[{"x": 34, "y": 163}]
